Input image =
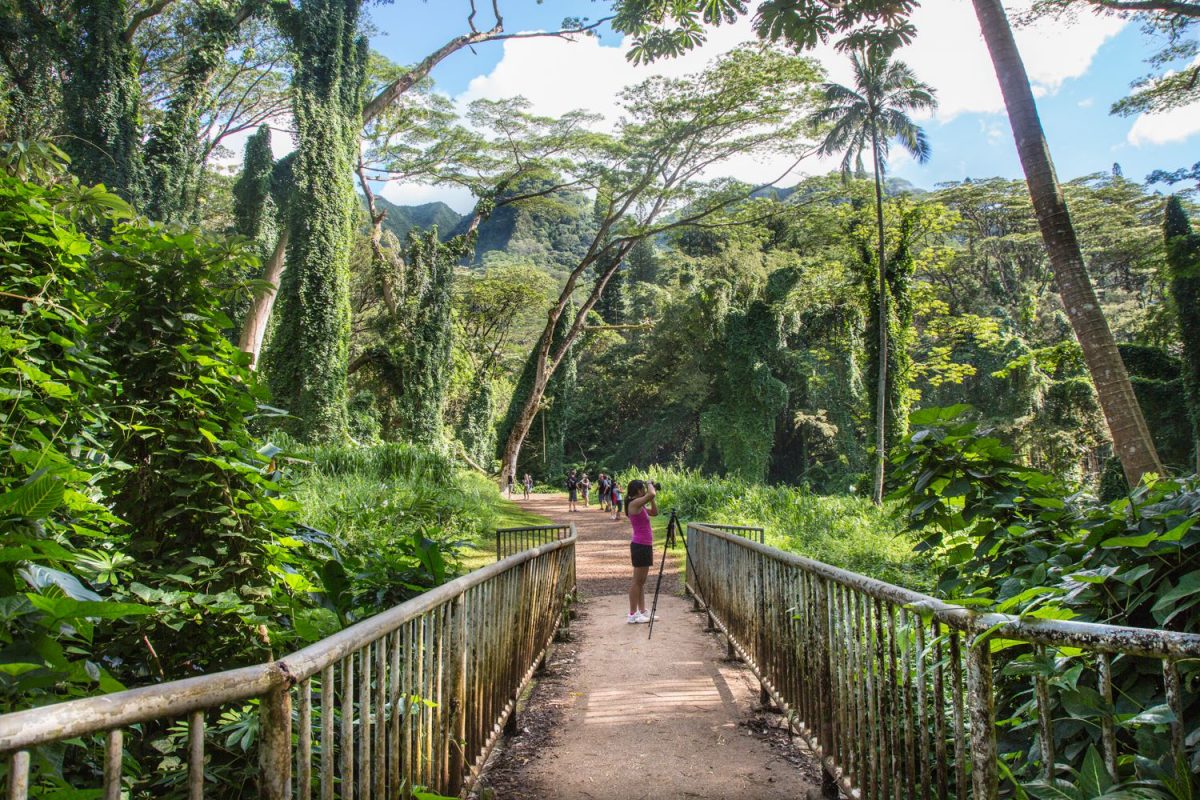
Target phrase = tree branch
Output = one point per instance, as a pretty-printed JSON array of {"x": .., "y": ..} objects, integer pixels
[
  {"x": 1165, "y": 6},
  {"x": 392, "y": 92},
  {"x": 149, "y": 12}
]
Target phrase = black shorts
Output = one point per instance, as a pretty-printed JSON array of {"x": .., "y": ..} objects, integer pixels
[{"x": 642, "y": 555}]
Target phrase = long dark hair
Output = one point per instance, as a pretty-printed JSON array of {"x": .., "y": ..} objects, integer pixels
[{"x": 635, "y": 489}]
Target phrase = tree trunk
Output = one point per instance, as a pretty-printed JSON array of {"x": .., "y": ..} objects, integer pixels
[
  {"x": 881, "y": 389},
  {"x": 1131, "y": 437},
  {"x": 551, "y": 352},
  {"x": 255, "y": 326},
  {"x": 521, "y": 426}
]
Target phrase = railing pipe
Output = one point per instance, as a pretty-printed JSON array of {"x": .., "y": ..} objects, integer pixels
[
  {"x": 443, "y": 659},
  {"x": 893, "y": 689}
]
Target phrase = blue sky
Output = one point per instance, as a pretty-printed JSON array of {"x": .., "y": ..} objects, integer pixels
[{"x": 1078, "y": 70}]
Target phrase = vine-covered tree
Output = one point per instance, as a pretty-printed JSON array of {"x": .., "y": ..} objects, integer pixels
[
  {"x": 1183, "y": 261},
  {"x": 870, "y": 115},
  {"x": 315, "y": 54},
  {"x": 741, "y": 425},
  {"x": 101, "y": 99},
  {"x": 308, "y": 355},
  {"x": 255, "y": 212},
  {"x": 176, "y": 151}
]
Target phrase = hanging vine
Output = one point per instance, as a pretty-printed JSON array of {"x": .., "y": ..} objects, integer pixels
[{"x": 101, "y": 110}]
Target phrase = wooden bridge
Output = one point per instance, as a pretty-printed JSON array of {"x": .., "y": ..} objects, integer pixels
[{"x": 893, "y": 690}]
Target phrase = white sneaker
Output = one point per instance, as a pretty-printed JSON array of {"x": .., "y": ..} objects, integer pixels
[
  {"x": 644, "y": 617},
  {"x": 634, "y": 619}
]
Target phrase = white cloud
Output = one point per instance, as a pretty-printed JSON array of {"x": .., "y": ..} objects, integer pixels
[
  {"x": 949, "y": 53},
  {"x": 557, "y": 76},
  {"x": 1175, "y": 125}
]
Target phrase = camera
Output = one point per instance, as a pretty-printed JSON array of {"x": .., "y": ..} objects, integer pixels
[{"x": 658, "y": 487}]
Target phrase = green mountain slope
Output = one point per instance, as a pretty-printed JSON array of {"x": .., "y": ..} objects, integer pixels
[
  {"x": 401, "y": 219},
  {"x": 552, "y": 231}
]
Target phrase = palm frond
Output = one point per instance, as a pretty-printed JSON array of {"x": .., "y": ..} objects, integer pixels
[{"x": 897, "y": 126}]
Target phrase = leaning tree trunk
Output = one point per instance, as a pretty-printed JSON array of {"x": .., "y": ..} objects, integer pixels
[
  {"x": 550, "y": 354},
  {"x": 255, "y": 326},
  {"x": 881, "y": 388},
  {"x": 1131, "y": 437}
]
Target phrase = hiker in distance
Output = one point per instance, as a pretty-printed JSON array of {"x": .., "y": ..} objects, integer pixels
[
  {"x": 527, "y": 484},
  {"x": 614, "y": 496},
  {"x": 640, "y": 506},
  {"x": 586, "y": 484},
  {"x": 572, "y": 490}
]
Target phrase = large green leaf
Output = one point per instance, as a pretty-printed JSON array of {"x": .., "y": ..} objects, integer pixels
[
  {"x": 1094, "y": 779},
  {"x": 34, "y": 500},
  {"x": 1058, "y": 790}
]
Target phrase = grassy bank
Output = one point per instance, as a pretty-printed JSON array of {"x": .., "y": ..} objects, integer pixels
[
  {"x": 846, "y": 531},
  {"x": 379, "y": 496}
]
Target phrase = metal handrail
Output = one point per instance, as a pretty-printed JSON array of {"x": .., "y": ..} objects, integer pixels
[
  {"x": 748, "y": 531},
  {"x": 514, "y": 540},
  {"x": 872, "y": 674},
  {"x": 437, "y": 677}
]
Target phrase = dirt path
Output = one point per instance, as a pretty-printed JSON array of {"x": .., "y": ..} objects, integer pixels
[{"x": 622, "y": 717}]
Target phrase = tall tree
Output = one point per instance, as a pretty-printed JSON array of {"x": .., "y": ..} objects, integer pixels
[
  {"x": 1126, "y": 425},
  {"x": 870, "y": 115},
  {"x": 1183, "y": 261},
  {"x": 101, "y": 99},
  {"x": 649, "y": 178},
  {"x": 255, "y": 213},
  {"x": 175, "y": 152},
  {"x": 308, "y": 355}
]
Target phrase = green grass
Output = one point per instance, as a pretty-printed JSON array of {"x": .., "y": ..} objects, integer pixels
[
  {"x": 506, "y": 514},
  {"x": 370, "y": 495}
]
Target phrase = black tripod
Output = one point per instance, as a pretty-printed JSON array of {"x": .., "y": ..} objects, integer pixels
[{"x": 669, "y": 541}]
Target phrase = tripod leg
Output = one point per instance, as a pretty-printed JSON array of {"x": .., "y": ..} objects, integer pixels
[{"x": 657, "y": 588}]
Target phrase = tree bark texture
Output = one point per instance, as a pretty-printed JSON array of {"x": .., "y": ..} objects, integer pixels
[
  {"x": 1131, "y": 437},
  {"x": 881, "y": 387}
]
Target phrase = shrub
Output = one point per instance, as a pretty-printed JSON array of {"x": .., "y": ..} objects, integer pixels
[{"x": 1014, "y": 539}]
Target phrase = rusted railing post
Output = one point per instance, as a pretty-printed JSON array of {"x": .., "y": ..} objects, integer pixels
[
  {"x": 456, "y": 728},
  {"x": 275, "y": 743},
  {"x": 829, "y": 787},
  {"x": 985, "y": 780}
]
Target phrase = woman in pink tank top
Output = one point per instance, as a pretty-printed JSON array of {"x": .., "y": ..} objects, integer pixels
[{"x": 640, "y": 507}]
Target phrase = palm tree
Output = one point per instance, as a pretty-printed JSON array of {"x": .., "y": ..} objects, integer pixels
[
  {"x": 1126, "y": 425},
  {"x": 873, "y": 113}
]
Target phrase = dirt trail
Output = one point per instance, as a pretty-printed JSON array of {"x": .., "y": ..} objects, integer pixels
[{"x": 622, "y": 717}]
